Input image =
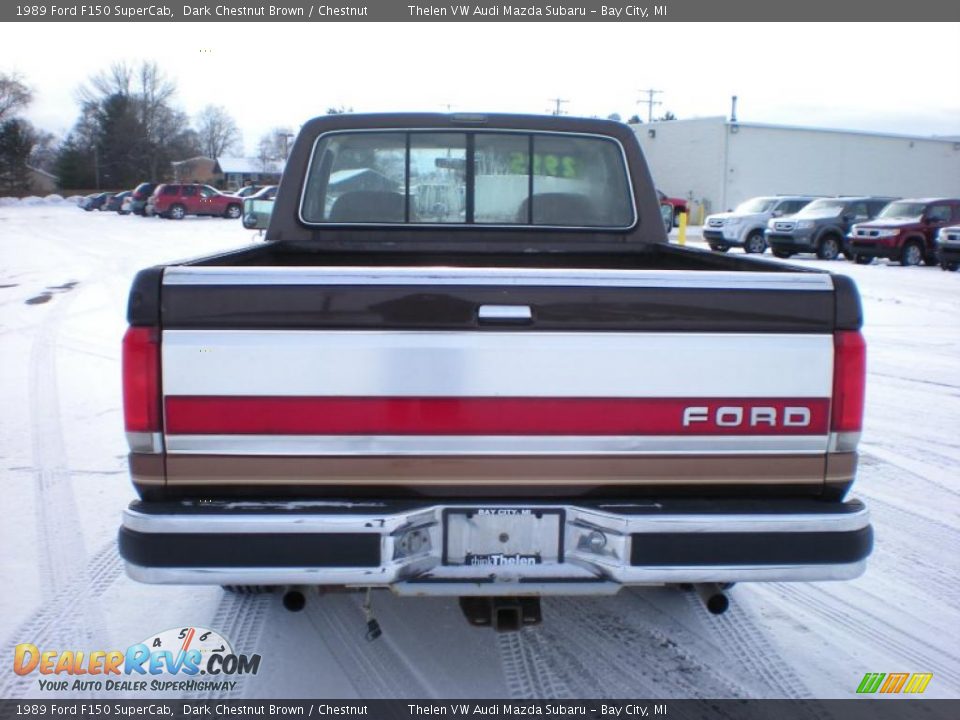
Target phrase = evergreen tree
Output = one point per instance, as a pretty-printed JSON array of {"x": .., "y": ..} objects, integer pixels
[{"x": 17, "y": 139}]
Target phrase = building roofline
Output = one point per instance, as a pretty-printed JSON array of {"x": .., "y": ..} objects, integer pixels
[
  {"x": 43, "y": 172},
  {"x": 806, "y": 128}
]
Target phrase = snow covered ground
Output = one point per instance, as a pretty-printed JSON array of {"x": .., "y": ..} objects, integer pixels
[{"x": 64, "y": 278}]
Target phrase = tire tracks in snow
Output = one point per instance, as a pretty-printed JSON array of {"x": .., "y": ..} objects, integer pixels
[
  {"x": 239, "y": 618},
  {"x": 378, "y": 669},
  {"x": 865, "y": 625},
  {"x": 605, "y": 647},
  {"x": 737, "y": 633},
  {"x": 60, "y": 537},
  {"x": 74, "y": 581},
  {"x": 59, "y": 623}
]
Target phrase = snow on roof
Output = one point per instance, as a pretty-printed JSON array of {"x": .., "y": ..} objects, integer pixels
[
  {"x": 249, "y": 165},
  {"x": 42, "y": 172},
  {"x": 193, "y": 159}
]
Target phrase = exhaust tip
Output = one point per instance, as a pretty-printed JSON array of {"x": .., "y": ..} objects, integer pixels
[
  {"x": 718, "y": 603},
  {"x": 294, "y": 600},
  {"x": 713, "y": 597}
]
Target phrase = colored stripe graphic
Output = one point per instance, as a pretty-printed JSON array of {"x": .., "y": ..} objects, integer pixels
[
  {"x": 193, "y": 415},
  {"x": 918, "y": 682},
  {"x": 894, "y": 683},
  {"x": 871, "y": 682}
]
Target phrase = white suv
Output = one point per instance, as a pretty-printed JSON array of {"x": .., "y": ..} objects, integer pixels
[{"x": 744, "y": 226}]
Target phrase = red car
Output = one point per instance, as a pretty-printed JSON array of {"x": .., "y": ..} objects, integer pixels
[
  {"x": 177, "y": 201},
  {"x": 679, "y": 205},
  {"x": 905, "y": 231}
]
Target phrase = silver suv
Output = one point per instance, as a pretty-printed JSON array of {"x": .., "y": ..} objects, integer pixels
[{"x": 744, "y": 226}]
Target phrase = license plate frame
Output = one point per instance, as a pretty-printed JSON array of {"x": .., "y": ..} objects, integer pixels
[{"x": 488, "y": 516}]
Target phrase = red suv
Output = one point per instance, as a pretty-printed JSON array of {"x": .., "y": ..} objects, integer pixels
[
  {"x": 178, "y": 201},
  {"x": 905, "y": 230}
]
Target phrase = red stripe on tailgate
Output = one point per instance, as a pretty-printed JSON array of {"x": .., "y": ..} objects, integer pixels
[{"x": 495, "y": 416}]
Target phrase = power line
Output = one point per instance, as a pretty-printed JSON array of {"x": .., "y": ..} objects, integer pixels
[
  {"x": 558, "y": 101},
  {"x": 650, "y": 102}
]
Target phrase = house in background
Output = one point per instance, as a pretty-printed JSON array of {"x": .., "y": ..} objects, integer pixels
[
  {"x": 42, "y": 182},
  {"x": 195, "y": 170},
  {"x": 240, "y": 171}
]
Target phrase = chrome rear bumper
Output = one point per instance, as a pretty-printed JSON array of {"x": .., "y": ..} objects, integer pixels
[{"x": 600, "y": 547}]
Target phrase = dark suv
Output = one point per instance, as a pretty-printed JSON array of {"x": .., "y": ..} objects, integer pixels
[
  {"x": 821, "y": 226},
  {"x": 905, "y": 230},
  {"x": 140, "y": 194}
]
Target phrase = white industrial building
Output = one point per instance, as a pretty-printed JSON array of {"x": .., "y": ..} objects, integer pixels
[{"x": 717, "y": 163}]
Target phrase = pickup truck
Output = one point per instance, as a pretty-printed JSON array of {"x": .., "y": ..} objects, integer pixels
[{"x": 467, "y": 363}]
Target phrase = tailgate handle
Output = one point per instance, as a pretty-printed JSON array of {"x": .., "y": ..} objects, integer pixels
[{"x": 505, "y": 314}]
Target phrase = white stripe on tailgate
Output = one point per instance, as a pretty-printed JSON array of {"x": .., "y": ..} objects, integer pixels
[{"x": 293, "y": 363}]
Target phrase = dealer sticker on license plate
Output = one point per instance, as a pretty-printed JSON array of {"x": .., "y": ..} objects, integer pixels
[{"x": 501, "y": 537}]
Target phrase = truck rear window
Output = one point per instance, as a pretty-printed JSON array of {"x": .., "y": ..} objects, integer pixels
[{"x": 468, "y": 178}]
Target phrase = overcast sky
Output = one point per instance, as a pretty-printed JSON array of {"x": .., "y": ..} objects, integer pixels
[{"x": 858, "y": 76}]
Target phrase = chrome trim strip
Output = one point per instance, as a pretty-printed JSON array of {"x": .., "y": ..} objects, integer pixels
[
  {"x": 141, "y": 442},
  {"x": 508, "y": 313},
  {"x": 614, "y": 581},
  {"x": 843, "y": 441},
  {"x": 476, "y": 226},
  {"x": 544, "y": 277},
  {"x": 370, "y": 445}
]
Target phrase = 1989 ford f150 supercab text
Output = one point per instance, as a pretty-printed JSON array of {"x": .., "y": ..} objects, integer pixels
[{"x": 467, "y": 363}]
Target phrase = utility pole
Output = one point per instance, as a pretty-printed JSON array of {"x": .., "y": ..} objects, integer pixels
[
  {"x": 558, "y": 101},
  {"x": 650, "y": 102}
]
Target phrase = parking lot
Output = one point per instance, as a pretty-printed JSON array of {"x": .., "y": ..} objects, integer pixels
[{"x": 63, "y": 287}]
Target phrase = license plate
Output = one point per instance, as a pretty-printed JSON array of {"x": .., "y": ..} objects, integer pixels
[{"x": 502, "y": 536}]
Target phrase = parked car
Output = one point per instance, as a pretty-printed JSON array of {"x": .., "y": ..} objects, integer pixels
[
  {"x": 679, "y": 205},
  {"x": 904, "y": 231},
  {"x": 176, "y": 201},
  {"x": 821, "y": 226},
  {"x": 258, "y": 207},
  {"x": 744, "y": 226},
  {"x": 126, "y": 207},
  {"x": 95, "y": 201},
  {"x": 115, "y": 203},
  {"x": 948, "y": 248},
  {"x": 246, "y": 191},
  {"x": 141, "y": 194}
]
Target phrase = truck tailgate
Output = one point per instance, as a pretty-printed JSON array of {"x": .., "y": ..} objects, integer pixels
[{"x": 496, "y": 382}]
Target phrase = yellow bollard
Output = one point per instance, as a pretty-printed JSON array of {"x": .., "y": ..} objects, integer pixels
[{"x": 682, "y": 230}]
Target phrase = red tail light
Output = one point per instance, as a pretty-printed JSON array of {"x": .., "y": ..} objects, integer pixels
[
  {"x": 141, "y": 379},
  {"x": 849, "y": 381}
]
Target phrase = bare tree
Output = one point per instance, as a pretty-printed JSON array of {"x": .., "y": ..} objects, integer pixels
[
  {"x": 274, "y": 145},
  {"x": 14, "y": 95},
  {"x": 217, "y": 131},
  {"x": 131, "y": 118}
]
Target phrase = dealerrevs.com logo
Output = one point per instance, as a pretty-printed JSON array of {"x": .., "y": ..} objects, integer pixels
[{"x": 172, "y": 660}]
